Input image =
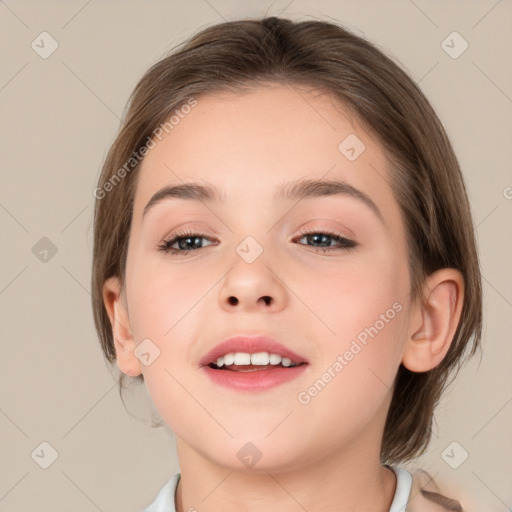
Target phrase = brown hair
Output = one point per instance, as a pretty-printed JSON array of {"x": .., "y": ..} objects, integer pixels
[{"x": 425, "y": 175}]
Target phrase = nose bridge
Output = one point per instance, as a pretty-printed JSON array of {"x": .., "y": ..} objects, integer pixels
[{"x": 253, "y": 231}]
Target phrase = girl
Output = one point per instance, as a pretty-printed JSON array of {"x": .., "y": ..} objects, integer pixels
[{"x": 284, "y": 255}]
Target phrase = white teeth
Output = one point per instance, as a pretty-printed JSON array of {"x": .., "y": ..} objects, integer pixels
[
  {"x": 258, "y": 358},
  {"x": 275, "y": 359},
  {"x": 228, "y": 359},
  {"x": 242, "y": 358}
]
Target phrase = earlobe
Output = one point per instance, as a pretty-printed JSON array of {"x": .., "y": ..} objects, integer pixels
[
  {"x": 124, "y": 341},
  {"x": 435, "y": 320}
]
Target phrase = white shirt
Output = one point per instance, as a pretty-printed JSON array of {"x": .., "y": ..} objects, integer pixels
[{"x": 165, "y": 501}]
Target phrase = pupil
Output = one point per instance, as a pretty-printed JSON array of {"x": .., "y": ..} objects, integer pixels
[
  {"x": 185, "y": 244},
  {"x": 321, "y": 236}
]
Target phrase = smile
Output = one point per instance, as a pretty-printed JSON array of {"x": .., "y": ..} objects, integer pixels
[{"x": 240, "y": 361}]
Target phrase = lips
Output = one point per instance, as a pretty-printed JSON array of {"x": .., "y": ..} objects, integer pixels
[{"x": 251, "y": 345}]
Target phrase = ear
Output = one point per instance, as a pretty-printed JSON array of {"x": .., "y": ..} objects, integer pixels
[
  {"x": 115, "y": 303},
  {"x": 434, "y": 321}
]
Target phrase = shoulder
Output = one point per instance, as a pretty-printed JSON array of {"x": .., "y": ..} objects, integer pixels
[{"x": 431, "y": 495}]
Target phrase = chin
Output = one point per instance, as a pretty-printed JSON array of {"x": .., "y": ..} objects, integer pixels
[{"x": 256, "y": 456}]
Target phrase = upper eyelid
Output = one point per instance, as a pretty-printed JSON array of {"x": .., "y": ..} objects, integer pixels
[{"x": 326, "y": 231}]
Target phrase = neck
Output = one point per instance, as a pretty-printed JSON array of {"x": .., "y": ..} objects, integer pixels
[{"x": 347, "y": 479}]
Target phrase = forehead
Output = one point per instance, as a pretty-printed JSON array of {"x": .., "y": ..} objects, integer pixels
[{"x": 249, "y": 144}]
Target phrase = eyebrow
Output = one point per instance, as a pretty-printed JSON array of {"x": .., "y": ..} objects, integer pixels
[{"x": 290, "y": 191}]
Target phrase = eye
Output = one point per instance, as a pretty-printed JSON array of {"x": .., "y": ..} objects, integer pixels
[
  {"x": 189, "y": 241},
  {"x": 325, "y": 238},
  {"x": 185, "y": 240}
]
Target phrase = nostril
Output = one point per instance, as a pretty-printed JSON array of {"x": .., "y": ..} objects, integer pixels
[{"x": 233, "y": 301}]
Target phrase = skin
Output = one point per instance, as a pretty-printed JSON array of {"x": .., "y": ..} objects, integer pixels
[{"x": 247, "y": 144}]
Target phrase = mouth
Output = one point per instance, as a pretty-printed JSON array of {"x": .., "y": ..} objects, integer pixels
[{"x": 247, "y": 363}]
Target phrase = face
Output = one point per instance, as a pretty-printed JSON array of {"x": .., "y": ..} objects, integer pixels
[{"x": 325, "y": 274}]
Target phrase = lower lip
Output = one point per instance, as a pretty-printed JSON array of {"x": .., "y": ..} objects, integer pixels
[{"x": 257, "y": 380}]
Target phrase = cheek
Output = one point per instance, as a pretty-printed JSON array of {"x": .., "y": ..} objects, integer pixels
[
  {"x": 167, "y": 305},
  {"x": 352, "y": 380},
  {"x": 350, "y": 295},
  {"x": 370, "y": 317},
  {"x": 163, "y": 298},
  {"x": 363, "y": 308},
  {"x": 162, "y": 309}
]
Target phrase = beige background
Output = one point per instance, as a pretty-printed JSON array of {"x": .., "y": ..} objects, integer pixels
[{"x": 59, "y": 116}]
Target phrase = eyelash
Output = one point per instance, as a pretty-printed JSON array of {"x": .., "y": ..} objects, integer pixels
[{"x": 346, "y": 244}]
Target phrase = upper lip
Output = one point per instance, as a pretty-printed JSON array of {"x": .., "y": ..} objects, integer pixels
[{"x": 251, "y": 345}]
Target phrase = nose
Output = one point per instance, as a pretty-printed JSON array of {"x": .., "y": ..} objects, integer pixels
[{"x": 253, "y": 287}]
